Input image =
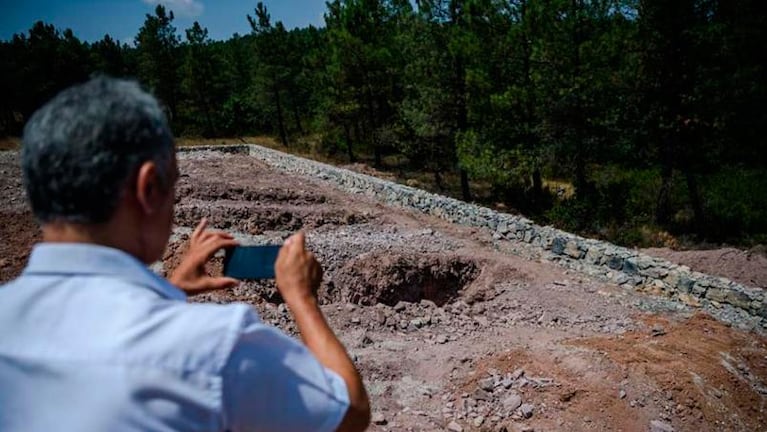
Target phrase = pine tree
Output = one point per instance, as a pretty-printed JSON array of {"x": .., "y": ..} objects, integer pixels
[{"x": 159, "y": 59}]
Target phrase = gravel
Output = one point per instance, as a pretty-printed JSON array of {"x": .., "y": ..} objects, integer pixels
[{"x": 723, "y": 298}]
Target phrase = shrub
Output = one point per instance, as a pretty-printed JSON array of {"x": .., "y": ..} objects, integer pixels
[{"x": 735, "y": 204}]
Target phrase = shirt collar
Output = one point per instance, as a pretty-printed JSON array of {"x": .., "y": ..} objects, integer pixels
[{"x": 89, "y": 259}]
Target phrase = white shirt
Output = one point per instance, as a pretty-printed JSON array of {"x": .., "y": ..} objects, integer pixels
[{"x": 91, "y": 340}]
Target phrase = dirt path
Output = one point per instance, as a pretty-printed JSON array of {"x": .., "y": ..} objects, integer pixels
[{"x": 451, "y": 333}]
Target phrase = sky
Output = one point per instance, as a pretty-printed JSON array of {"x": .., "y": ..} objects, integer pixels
[{"x": 121, "y": 19}]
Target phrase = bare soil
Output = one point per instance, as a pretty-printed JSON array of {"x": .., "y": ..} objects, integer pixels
[
  {"x": 9, "y": 143},
  {"x": 448, "y": 329},
  {"x": 746, "y": 267},
  {"x": 18, "y": 229}
]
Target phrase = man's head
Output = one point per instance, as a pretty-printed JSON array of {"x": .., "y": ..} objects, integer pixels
[{"x": 99, "y": 158}]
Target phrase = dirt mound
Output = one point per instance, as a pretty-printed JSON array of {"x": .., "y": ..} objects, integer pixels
[
  {"x": 389, "y": 278},
  {"x": 712, "y": 375},
  {"x": 256, "y": 219},
  {"x": 691, "y": 374},
  {"x": 262, "y": 195},
  {"x": 746, "y": 267}
]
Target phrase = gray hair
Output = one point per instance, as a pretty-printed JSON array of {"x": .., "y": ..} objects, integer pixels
[{"x": 80, "y": 150}]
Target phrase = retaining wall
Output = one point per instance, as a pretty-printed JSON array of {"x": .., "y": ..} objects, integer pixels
[{"x": 727, "y": 300}]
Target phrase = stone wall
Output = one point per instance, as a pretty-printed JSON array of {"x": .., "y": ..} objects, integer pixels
[{"x": 725, "y": 299}]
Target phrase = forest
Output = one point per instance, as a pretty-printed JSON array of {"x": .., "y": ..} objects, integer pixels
[{"x": 642, "y": 122}]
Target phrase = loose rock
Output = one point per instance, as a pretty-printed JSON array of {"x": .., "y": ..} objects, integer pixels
[
  {"x": 486, "y": 384},
  {"x": 379, "y": 419},
  {"x": 511, "y": 403},
  {"x": 482, "y": 395},
  {"x": 660, "y": 426},
  {"x": 526, "y": 410}
]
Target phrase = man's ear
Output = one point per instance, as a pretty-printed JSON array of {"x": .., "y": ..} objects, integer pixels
[{"x": 149, "y": 192}]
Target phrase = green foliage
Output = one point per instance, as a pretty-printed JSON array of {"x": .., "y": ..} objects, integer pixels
[
  {"x": 651, "y": 111},
  {"x": 34, "y": 67},
  {"x": 158, "y": 53},
  {"x": 735, "y": 204}
]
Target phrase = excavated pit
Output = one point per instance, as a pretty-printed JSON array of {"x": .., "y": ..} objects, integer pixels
[
  {"x": 373, "y": 278},
  {"x": 255, "y": 206},
  {"x": 257, "y": 218},
  {"x": 575, "y": 343},
  {"x": 212, "y": 191},
  {"x": 389, "y": 278}
]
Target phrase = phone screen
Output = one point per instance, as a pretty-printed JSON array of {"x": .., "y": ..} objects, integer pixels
[{"x": 251, "y": 262}]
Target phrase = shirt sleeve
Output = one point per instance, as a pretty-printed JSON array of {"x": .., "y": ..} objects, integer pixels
[{"x": 272, "y": 382}]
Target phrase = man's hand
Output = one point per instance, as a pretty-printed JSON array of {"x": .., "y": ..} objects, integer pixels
[
  {"x": 297, "y": 272},
  {"x": 190, "y": 275},
  {"x": 298, "y": 276}
]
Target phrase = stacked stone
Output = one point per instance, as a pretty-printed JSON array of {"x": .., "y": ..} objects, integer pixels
[{"x": 725, "y": 299}]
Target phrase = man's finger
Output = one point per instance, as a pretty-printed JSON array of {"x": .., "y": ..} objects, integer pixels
[
  {"x": 207, "y": 235},
  {"x": 213, "y": 238},
  {"x": 222, "y": 234},
  {"x": 200, "y": 228},
  {"x": 299, "y": 240},
  {"x": 209, "y": 283},
  {"x": 284, "y": 250},
  {"x": 289, "y": 245},
  {"x": 209, "y": 248},
  {"x": 217, "y": 283}
]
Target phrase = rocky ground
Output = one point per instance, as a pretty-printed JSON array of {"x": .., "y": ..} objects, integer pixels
[{"x": 449, "y": 331}]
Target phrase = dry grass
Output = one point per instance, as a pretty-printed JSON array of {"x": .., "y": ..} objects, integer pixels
[
  {"x": 10, "y": 143},
  {"x": 563, "y": 189},
  {"x": 196, "y": 141},
  {"x": 305, "y": 147}
]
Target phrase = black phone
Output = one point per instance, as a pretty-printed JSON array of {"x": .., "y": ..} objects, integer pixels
[{"x": 251, "y": 262}]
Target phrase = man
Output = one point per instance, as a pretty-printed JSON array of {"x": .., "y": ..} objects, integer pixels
[{"x": 93, "y": 341}]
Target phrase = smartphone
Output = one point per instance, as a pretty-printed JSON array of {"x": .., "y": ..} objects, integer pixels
[{"x": 251, "y": 262}]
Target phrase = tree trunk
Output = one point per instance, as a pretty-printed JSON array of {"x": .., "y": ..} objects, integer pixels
[
  {"x": 537, "y": 185},
  {"x": 438, "y": 181},
  {"x": 280, "y": 119},
  {"x": 297, "y": 118},
  {"x": 663, "y": 208},
  {"x": 209, "y": 123},
  {"x": 696, "y": 201},
  {"x": 357, "y": 132},
  {"x": 371, "y": 112},
  {"x": 296, "y": 113},
  {"x": 465, "y": 190},
  {"x": 210, "y": 129},
  {"x": 348, "y": 138},
  {"x": 581, "y": 186},
  {"x": 462, "y": 122},
  {"x": 459, "y": 93}
]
